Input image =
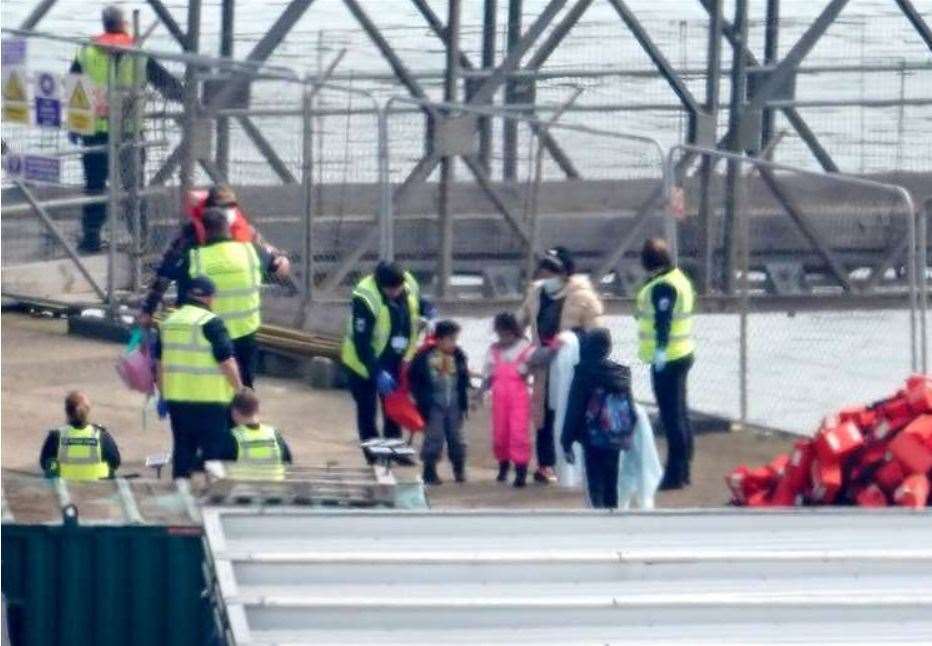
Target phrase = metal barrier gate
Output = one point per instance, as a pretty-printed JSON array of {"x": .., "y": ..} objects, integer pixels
[{"x": 775, "y": 231}]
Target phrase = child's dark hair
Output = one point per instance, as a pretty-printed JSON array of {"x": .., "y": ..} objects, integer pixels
[
  {"x": 446, "y": 328},
  {"x": 246, "y": 402},
  {"x": 507, "y": 322},
  {"x": 77, "y": 408}
]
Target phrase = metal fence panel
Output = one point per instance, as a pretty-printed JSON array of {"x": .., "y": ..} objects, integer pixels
[
  {"x": 584, "y": 188},
  {"x": 783, "y": 235}
]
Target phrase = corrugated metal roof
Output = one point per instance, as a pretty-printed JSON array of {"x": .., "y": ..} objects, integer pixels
[{"x": 799, "y": 576}]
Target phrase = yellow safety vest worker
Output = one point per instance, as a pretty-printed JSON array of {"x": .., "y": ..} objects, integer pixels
[
  {"x": 257, "y": 445},
  {"x": 189, "y": 371},
  {"x": 95, "y": 63},
  {"x": 259, "y": 452},
  {"x": 369, "y": 292},
  {"x": 80, "y": 455},
  {"x": 681, "y": 342},
  {"x": 235, "y": 269}
]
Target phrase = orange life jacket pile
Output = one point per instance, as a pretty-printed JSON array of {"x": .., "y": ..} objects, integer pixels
[{"x": 871, "y": 456}]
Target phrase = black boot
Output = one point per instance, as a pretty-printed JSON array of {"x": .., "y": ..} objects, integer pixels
[
  {"x": 520, "y": 475},
  {"x": 672, "y": 478},
  {"x": 503, "y": 471},
  {"x": 459, "y": 471},
  {"x": 430, "y": 476}
]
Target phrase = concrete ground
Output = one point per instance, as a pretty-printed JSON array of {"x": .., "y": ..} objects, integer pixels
[{"x": 40, "y": 363}]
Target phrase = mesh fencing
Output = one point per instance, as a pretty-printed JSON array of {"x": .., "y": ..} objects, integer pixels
[
  {"x": 78, "y": 204},
  {"x": 792, "y": 234},
  {"x": 573, "y": 186}
]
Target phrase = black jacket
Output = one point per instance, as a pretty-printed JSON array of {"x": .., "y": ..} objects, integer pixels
[
  {"x": 421, "y": 380},
  {"x": 595, "y": 370}
]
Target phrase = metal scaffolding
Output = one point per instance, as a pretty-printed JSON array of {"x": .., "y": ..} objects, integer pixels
[{"x": 762, "y": 85}]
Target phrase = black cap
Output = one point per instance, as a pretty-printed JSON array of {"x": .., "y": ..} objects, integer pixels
[
  {"x": 389, "y": 275},
  {"x": 201, "y": 287},
  {"x": 558, "y": 260}
]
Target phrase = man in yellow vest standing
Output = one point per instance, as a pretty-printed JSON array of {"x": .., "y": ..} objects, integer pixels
[
  {"x": 237, "y": 270},
  {"x": 381, "y": 335},
  {"x": 197, "y": 377},
  {"x": 665, "y": 305},
  {"x": 94, "y": 61},
  {"x": 79, "y": 450}
]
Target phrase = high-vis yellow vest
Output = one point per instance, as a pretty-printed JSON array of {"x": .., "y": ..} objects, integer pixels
[
  {"x": 235, "y": 269},
  {"x": 681, "y": 342},
  {"x": 258, "y": 455},
  {"x": 95, "y": 62},
  {"x": 80, "y": 455},
  {"x": 189, "y": 371},
  {"x": 369, "y": 292},
  {"x": 257, "y": 445}
]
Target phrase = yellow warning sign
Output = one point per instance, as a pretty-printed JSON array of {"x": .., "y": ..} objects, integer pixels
[
  {"x": 15, "y": 105},
  {"x": 81, "y": 123},
  {"x": 79, "y": 100},
  {"x": 13, "y": 89},
  {"x": 79, "y": 114}
]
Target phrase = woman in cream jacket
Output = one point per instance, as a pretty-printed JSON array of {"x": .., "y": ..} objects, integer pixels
[{"x": 558, "y": 300}]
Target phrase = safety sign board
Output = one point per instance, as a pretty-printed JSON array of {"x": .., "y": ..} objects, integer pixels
[
  {"x": 42, "y": 168},
  {"x": 15, "y": 100},
  {"x": 80, "y": 112},
  {"x": 14, "y": 52},
  {"x": 13, "y": 165},
  {"x": 47, "y": 100}
]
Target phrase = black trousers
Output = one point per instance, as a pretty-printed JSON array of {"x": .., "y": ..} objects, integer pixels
[
  {"x": 200, "y": 432},
  {"x": 367, "y": 400},
  {"x": 95, "y": 181},
  {"x": 96, "y": 171},
  {"x": 670, "y": 391},
  {"x": 602, "y": 477},
  {"x": 246, "y": 351},
  {"x": 543, "y": 443}
]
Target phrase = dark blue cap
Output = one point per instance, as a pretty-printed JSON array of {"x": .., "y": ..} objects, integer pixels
[{"x": 201, "y": 287}]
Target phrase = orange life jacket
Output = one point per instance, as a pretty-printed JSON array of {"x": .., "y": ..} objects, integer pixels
[
  {"x": 120, "y": 39},
  {"x": 240, "y": 229}
]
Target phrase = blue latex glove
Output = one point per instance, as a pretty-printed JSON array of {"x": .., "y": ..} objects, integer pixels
[
  {"x": 161, "y": 407},
  {"x": 385, "y": 383},
  {"x": 429, "y": 311},
  {"x": 660, "y": 360}
]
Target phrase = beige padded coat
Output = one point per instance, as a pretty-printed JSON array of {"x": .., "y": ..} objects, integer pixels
[{"x": 582, "y": 308}]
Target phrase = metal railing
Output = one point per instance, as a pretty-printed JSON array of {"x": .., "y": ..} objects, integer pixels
[{"x": 794, "y": 361}]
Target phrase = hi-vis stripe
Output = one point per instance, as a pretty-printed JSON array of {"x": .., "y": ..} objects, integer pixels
[{"x": 193, "y": 346}]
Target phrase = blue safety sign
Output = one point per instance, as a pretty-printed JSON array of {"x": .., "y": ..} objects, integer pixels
[
  {"x": 14, "y": 52},
  {"x": 42, "y": 168},
  {"x": 13, "y": 165},
  {"x": 48, "y": 100}
]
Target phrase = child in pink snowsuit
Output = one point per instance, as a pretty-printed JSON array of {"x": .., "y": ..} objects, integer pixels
[{"x": 506, "y": 376}]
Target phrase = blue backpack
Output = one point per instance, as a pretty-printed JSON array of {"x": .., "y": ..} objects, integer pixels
[{"x": 610, "y": 420}]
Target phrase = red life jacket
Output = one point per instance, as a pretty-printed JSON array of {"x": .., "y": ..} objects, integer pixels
[
  {"x": 240, "y": 229},
  {"x": 120, "y": 39}
]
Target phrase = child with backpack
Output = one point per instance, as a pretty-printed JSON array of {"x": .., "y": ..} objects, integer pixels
[
  {"x": 600, "y": 416},
  {"x": 439, "y": 382},
  {"x": 505, "y": 374}
]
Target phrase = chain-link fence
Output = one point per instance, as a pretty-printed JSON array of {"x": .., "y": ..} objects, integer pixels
[
  {"x": 78, "y": 164},
  {"x": 765, "y": 236},
  {"x": 157, "y": 135}
]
